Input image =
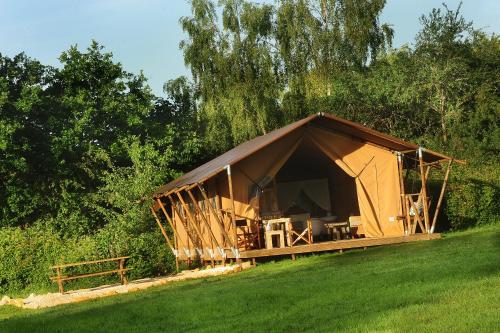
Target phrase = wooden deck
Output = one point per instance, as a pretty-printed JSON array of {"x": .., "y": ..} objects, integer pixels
[{"x": 335, "y": 245}]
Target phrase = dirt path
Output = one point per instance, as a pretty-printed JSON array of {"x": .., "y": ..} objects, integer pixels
[{"x": 53, "y": 299}]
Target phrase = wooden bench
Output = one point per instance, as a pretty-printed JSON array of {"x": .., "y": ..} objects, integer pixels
[{"x": 59, "y": 278}]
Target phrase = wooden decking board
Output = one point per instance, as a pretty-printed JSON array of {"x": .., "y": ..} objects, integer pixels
[{"x": 335, "y": 245}]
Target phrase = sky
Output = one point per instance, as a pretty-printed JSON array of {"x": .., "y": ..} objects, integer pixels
[{"x": 145, "y": 34}]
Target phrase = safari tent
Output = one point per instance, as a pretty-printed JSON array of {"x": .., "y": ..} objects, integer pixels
[{"x": 322, "y": 183}]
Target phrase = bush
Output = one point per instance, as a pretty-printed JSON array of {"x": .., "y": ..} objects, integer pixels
[{"x": 474, "y": 195}]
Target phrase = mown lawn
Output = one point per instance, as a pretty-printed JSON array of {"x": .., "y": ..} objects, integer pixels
[{"x": 447, "y": 285}]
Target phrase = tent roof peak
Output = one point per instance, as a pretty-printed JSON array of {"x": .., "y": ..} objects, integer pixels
[{"x": 320, "y": 119}]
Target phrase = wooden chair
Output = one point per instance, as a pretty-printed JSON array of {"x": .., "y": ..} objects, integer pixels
[
  {"x": 305, "y": 234},
  {"x": 338, "y": 229},
  {"x": 356, "y": 228},
  {"x": 415, "y": 212},
  {"x": 248, "y": 235}
]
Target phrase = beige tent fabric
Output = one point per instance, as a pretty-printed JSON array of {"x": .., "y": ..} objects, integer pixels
[
  {"x": 257, "y": 169},
  {"x": 376, "y": 174}
]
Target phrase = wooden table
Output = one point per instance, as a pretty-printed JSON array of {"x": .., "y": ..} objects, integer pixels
[{"x": 337, "y": 228}]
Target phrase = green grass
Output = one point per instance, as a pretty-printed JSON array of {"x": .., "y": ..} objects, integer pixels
[{"x": 447, "y": 285}]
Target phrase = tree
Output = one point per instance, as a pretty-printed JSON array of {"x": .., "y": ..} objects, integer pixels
[
  {"x": 442, "y": 47},
  {"x": 25, "y": 162},
  {"x": 255, "y": 67}
]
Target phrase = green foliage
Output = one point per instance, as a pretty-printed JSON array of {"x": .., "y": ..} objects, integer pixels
[
  {"x": 82, "y": 146},
  {"x": 474, "y": 198},
  {"x": 258, "y": 57},
  {"x": 26, "y": 255}
]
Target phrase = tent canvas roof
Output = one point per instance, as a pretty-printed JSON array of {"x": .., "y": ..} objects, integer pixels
[{"x": 326, "y": 121}]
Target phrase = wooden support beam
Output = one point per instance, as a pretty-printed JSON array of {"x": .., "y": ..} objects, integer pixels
[
  {"x": 424, "y": 189},
  {"x": 402, "y": 192},
  {"x": 192, "y": 219},
  {"x": 172, "y": 225},
  {"x": 164, "y": 233},
  {"x": 183, "y": 223},
  {"x": 176, "y": 257},
  {"x": 233, "y": 216},
  {"x": 408, "y": 151},
  {"x": 217, "y": 217},
  {"x": 441, "y": 195},
  {"x": 203, "y": 217},
  {"x": 168, "y": 193}
]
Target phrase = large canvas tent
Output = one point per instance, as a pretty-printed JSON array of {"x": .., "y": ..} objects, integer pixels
[{"x": 322, "y": 165}]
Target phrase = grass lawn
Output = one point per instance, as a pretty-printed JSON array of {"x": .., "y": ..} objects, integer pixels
[{"x": 446, "y": 285}]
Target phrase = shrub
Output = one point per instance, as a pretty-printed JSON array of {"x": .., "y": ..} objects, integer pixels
[{"x": 474, "y": 195}]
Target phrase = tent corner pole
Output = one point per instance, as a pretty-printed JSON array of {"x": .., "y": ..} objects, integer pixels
[
  {"x": 233, "y": 213},
  {"x": 402, "y": 191},
  {"x": 424, "y": 188},
  {"x": 441, "y": 195}
]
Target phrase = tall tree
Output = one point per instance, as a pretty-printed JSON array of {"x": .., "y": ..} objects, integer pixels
[
  {"x": 442, "y": 47},
  {"x": 255, "y": 66}
]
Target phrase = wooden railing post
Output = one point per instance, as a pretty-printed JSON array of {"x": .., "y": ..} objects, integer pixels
[
  {"x": 59, "y": 281},
  {"x": 123, "y": 278}
]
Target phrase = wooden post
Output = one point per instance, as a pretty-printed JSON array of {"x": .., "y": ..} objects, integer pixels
[
  {"x": 174, "y": 248},
  {"x": 233, "y": 216},
  {"x": 123, "y": 278},
  {"x": 164, "y": 233},
  {"x": 217, "y": 218},
  {"x": 441, "y": 195},
  {"x": 402, "y": 192},
  {"x": 176, "y": 257},
  {"x": 424, "y": 189},
  {"x": 192, "y": 220},
  {"x": 59, "y": 281},
  {"x": 203, "y": 217},
  {"x": 172, "y": 225},
  {"x": 309, "y": 231},
  {"x": 183, "y": 222}
]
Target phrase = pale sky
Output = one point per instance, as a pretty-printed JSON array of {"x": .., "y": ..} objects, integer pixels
[{"x": 145, "y": 34}]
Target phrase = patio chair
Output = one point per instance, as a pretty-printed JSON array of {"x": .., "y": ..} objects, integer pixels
[
  {"x": 248, "y": 235},
  {"x": 297, "y": 231},
  {"x": 356, "y": 229}
]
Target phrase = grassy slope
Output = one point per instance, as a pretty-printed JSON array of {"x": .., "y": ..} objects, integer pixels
[{"x": 448, "y": 285}]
